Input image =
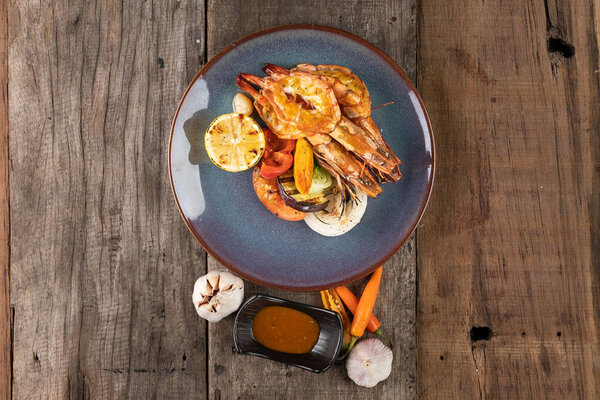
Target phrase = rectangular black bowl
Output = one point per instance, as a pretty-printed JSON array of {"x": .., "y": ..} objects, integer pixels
[{"x": 322, "y": 355}]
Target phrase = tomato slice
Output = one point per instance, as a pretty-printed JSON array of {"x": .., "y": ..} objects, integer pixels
[
  {"x": 277, "y": 157},
  {"x": 274, "y": 143},
  {"x": 276, "y": 165},
  {"x": 289, "y": 145}
]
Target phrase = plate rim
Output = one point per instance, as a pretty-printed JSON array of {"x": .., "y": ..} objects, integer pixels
[{"x": 398, "y": 70}]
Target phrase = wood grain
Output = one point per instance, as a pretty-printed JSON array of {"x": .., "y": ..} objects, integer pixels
[
  {"x": 102, "y": 267},
  {"x": 391, "y": 26},
  {"x": 511, "y": 239},
  {"x": 5, "y": 310}
]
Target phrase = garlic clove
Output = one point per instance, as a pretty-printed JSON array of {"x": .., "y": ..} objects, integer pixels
[
  {"x": 369, "y": 363},
  {"x": 213, "y": 282},
  {"x": 242, "y": 104},
  {"x": 217, "y": 294}
]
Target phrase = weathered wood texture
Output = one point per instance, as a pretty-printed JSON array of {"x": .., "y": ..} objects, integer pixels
[
  {"x": 5, "y": 310},
  {"x": 390, "y": 25},
  {"x": 102, "y": 267},
  {"x": 511, "y": 239}
]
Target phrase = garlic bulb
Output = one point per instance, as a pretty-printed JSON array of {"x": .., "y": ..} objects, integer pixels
[
  {"x": 217, "y": 294},
  {"x": 369, "y": 362}
]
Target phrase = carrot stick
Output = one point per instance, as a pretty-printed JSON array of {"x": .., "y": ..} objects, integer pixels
[
  {"x": 365, "y": 306},
  {"x": 351, "y": 301}
]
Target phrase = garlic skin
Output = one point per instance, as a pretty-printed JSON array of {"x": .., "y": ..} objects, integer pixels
[
  {"x": 369, "y": 363},
  {"x": 217, "y": 294}
]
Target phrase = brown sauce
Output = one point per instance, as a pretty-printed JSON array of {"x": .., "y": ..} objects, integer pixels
[{"x": 285, "y": 330}]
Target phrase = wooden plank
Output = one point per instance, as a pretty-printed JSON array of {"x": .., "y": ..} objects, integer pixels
[
  {"x": 391, "y": 26},
  {"x": 5, "y": 310},
  {"x": 102, "y": 267},
  {"x": 511, "y": 239}
]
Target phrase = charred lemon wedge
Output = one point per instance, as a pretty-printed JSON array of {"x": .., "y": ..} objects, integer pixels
[{"x": 234, "y": 142}]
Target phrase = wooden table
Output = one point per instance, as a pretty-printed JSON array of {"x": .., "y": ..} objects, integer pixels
[{"x": 497, "y": 295}]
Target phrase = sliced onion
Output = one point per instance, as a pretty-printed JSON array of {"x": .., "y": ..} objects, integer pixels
[{"x": 339, "y": 217}]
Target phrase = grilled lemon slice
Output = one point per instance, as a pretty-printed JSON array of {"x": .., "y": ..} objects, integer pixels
[{"x": 234, "y": 142}]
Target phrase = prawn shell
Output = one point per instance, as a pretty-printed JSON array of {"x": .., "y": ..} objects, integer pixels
[{"x": 268, "y": 194}]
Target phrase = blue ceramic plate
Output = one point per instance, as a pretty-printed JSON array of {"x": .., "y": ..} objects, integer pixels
[{"x": 221, "y": 208}]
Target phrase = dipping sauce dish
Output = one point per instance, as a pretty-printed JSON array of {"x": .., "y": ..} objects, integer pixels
[{"x": 318, "y": 359}]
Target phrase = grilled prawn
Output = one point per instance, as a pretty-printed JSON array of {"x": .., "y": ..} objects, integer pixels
[
  {"x": 359, "y": 135},
  {"x": 303, "y": 99},
  {"x": 343, "y": 166},
  {"x": 349, "y": 89}
]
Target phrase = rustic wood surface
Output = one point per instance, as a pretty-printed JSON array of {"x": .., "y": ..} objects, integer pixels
[
  {"x": 391, "y": 26},
  {"x": 5, "y": 310},
  {"x": 510, "y": 240},
  {"x": 101, "y": 266}
]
